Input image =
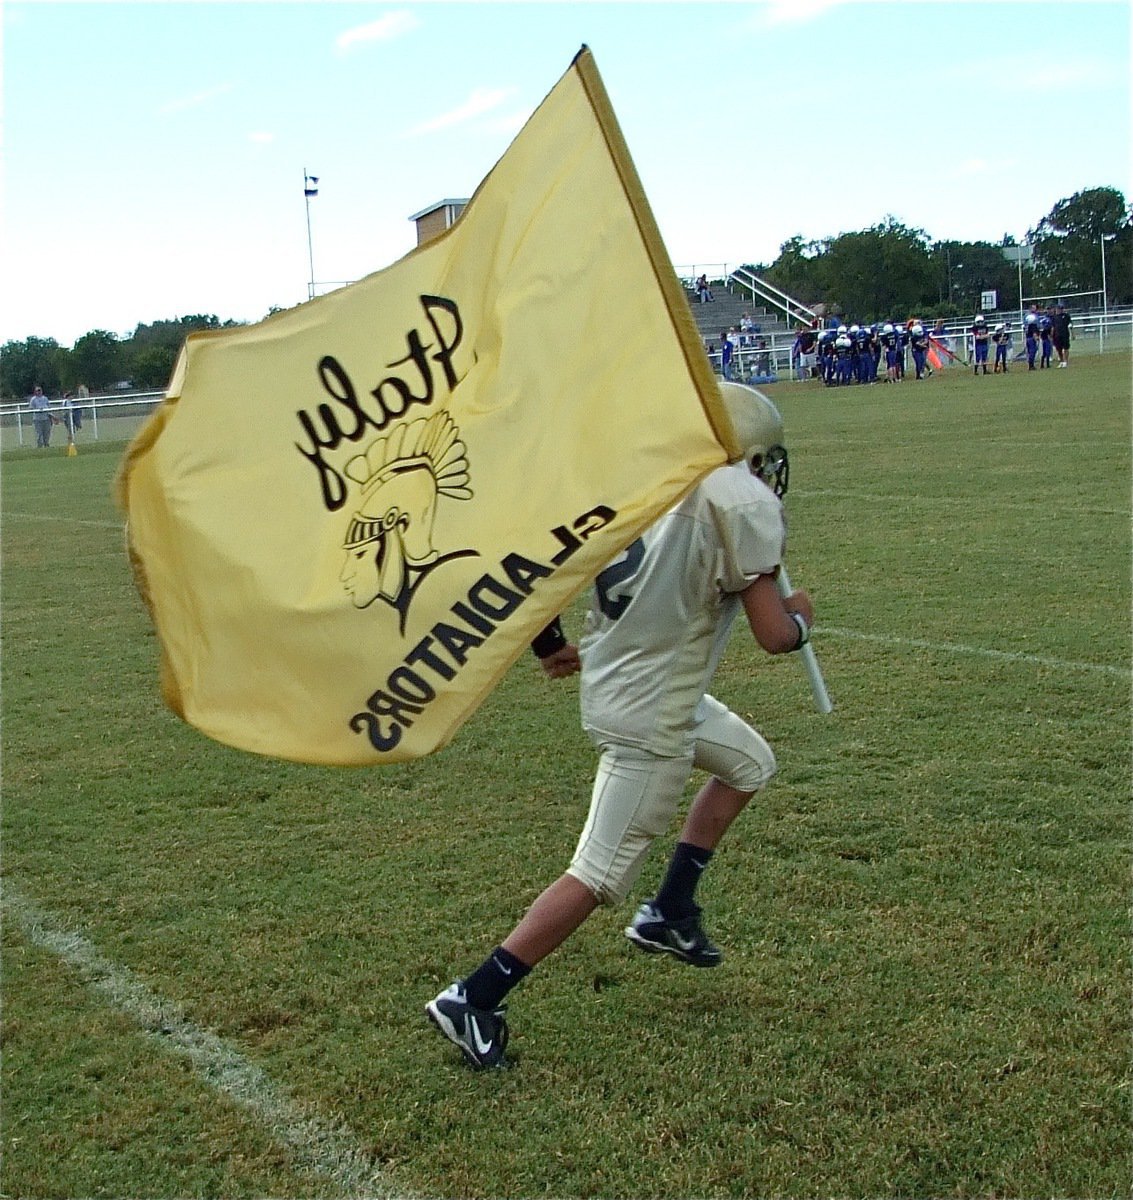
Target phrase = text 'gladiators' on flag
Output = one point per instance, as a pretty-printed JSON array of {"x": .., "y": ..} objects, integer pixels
[{"x": 349, "y": 520}]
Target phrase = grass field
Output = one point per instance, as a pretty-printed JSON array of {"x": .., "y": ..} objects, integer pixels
[{"x": 215, "y": 965}]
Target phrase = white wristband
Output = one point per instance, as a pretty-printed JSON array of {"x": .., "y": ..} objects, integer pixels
[{"x": 804, "y": 628}]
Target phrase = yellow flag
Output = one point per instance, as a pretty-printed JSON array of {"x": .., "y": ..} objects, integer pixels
[{"x": 349, "y": 520}]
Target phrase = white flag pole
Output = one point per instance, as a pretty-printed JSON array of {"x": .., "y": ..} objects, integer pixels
[{"x": 822, "y": 699}]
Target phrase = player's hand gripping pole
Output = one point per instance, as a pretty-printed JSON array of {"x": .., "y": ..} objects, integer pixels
[{"x": 822, "y": 699}]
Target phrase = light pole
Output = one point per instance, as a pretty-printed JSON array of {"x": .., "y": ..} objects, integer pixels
[
  {"x": 1105, "y": 302},
  {"x": 1019, "y": 268},
  {"x": 1105, "y": 237},
  {"x": 1020, "y": 253},
  {"x": 951, "y": 286},
  {"x": 310, "y": 188}
]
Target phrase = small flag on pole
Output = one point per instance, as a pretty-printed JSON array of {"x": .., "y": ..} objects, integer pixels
[{"x": 310, "y": 185}]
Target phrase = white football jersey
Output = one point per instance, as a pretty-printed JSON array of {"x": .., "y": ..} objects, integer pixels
[{"x": 662, "y": 610}]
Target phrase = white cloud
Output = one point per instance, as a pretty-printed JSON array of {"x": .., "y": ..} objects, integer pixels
[
  {"x": 971, "y": 167},
  {"x": 195, "y": 101},
  {"x": 793, "y": 12},
  {"x": 481, "y": 100},
  {"x": 384, "y": 29},
  {"x": 1031, "y": 75},
  {"x": 1076, "y": 75}
]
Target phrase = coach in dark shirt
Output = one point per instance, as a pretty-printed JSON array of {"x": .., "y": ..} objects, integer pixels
[{"x": 1060, "y": 333}]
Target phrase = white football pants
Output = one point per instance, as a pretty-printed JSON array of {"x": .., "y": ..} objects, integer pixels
[{"x": 636, "y": 794}]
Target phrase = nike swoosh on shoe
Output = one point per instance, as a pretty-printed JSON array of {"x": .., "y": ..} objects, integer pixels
[{"x": 482, "y": 1047}]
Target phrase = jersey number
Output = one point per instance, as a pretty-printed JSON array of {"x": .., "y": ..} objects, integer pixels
[{"x": 617, "y": 573}]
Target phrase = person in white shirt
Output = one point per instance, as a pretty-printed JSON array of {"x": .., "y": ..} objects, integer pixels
[
  {"x": 40, "y": 418},
  {"x": 660, "y": 619}
]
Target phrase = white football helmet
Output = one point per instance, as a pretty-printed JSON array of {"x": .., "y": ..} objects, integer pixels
[
  {"x": 759, "y": 429},
  {"x": 917, "y": 330}
]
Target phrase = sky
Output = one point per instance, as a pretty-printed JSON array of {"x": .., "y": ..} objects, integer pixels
[{"x": 154, "y": 153}]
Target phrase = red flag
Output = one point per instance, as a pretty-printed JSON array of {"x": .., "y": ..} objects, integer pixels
[{"x": 935, "y": 349}]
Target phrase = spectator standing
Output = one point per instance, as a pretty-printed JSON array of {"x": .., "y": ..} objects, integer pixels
[
  {"x": 72, "y": 415},
  {"x": 703, "y": 291},
  {"x": 1060, "y": 334},
  {"x": 40, "y": 418},
  {"x": 727, "y": 349},
  {"x": 802, "y": 352}
]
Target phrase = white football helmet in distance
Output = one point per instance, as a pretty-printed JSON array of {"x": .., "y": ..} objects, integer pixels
[{"x": 759, "y": 430}]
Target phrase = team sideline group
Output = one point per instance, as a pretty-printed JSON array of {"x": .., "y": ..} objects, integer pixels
[{"x": 841, "y": 355}]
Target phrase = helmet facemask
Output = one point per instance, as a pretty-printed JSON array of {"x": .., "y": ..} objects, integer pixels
[
  {"x": 773, "y": 467},
  {"x": 759, "y": 429}
]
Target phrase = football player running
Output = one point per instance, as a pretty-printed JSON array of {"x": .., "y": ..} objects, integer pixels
[{"x": 659, "y": 622}]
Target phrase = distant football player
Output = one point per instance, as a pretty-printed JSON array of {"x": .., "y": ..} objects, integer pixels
[
  {"x": 843, "y": 357},
  {"x": 980, "y": 341},
  {"x": 918, "y": 344},
  {"x": 1046, "y": 326},
  {"x": 892, "y": 351},
  {"x": 1001, "y": 337},
  {"x": 826, "y": 341},
  {"x": 659, "y": 622},
  {"x": 1031, "y": 338}
]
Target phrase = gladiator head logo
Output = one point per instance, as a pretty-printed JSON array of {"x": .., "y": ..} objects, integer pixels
[{"x": 389, "y": 542}]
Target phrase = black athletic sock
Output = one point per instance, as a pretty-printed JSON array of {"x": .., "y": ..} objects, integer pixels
[
  {"x": 487, "y": 986},
  {"x": 674, "y": 899}
]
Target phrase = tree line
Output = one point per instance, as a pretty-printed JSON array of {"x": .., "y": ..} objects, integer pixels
[
  {"x": 99, "y": 359},
  {"x": 883, "y": 272},
  {"x": 890, "y": 270}
]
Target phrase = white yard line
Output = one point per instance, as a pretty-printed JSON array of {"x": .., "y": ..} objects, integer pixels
[
  {"x": 68, "y": 520},
  {"x": 1036, "y": 660},
  {"x": 328, "y": 1148},
  {"x": 1070, "y": 509}
]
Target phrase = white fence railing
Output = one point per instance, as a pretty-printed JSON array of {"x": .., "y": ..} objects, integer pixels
[
  {"x": 793, "y": 310},
  {"x": 115, "y": 417}
]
